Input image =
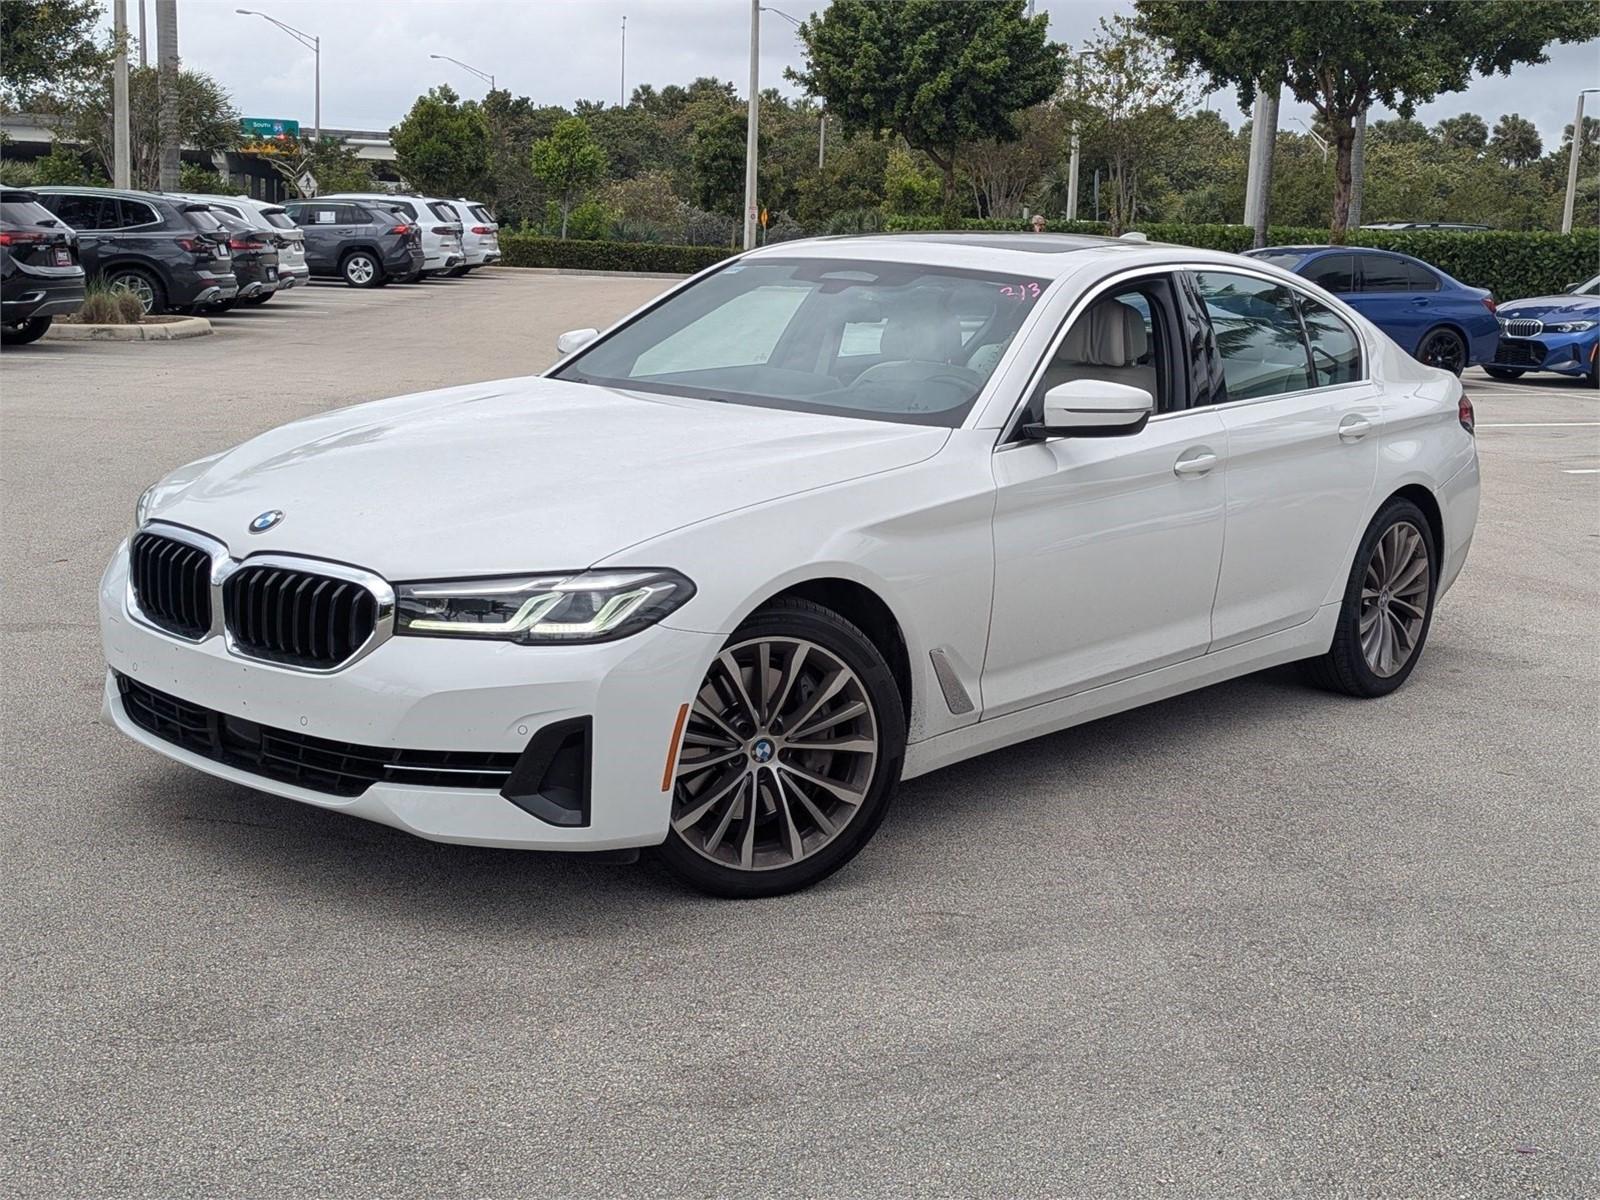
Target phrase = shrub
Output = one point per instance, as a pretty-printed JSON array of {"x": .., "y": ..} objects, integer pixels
[
  {"x": 129, "y": 310},
  {"x": 102, "y": 306},
  {"x": 589, "y": 221},
  {"x": 521, "y": 250},
  {"x": 16, "y": 173}
]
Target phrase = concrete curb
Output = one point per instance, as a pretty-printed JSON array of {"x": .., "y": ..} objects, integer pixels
[
  {"x": 579, "y": 271},
  {"x": 165, "y": 331}
]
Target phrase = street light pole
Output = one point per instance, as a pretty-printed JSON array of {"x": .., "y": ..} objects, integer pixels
[
  {"x": 120, "y": 173},
  {"x": 1572, "y": 163},
  {"x": 312, "y": 43},
  {"x": 486, "y": 76},
  {"x": 751, "y": 123}
]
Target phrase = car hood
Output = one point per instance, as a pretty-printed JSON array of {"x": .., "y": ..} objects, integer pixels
[
  {"x": 1575, "y": 307},
  {"x": 518, "y": 475}
]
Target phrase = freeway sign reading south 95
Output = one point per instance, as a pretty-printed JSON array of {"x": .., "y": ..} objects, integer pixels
[{"x": 269, "y": 127}]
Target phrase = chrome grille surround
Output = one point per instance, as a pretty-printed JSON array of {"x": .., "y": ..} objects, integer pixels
[
  {"x": 224, "y": 566},
  {"x": 1522, "y": 327}
]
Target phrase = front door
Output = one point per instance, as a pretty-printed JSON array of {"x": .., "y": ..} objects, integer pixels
[{"x": 1107, "y": 548}]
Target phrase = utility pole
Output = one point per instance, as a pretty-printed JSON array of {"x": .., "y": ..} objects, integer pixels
[
  {"x": 1358, "y": 173},
  {"x": 120, "y": 174},
  {"x": 1572, "y": 164},
  {"x": 1072, "y": 162},
  {"x": 167, "y": 61},
  {"x": 822, "y": 139},
  {"x": 144, "y": 57},
  {"x": 751, "y": 131},
  {"x": 1258, "y": 184}
]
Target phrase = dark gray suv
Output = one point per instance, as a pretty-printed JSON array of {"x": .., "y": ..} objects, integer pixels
[
  {"x": 365, "y": 244},
  {"x": 171, "y": 253}
]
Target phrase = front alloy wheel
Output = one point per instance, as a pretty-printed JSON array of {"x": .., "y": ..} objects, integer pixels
[{"x": 788, "y": 757}]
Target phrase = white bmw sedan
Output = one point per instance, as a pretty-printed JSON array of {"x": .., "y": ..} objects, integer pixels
[{"x": 825, "y": 517}]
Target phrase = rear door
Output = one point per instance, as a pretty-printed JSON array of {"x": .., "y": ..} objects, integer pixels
[
  {"x": 1301, "y": 418},
  {"x": 91, "y": 215},
  {"x": 1386, "y": 296}
]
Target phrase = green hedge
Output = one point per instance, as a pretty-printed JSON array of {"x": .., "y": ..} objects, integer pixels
[
  {"x": 521, "y": 250},
  {"x": 1511, "y": 265}
]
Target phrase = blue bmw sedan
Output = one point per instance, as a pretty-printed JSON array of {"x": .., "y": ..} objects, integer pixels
[
  {"x": 1551, "y": 333},
  {"x": 1434, "y": 318}
]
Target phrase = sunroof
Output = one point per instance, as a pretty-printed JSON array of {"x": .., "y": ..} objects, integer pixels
[{"x": 1027, "y": 243}]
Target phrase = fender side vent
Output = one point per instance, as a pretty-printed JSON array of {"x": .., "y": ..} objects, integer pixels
[{"x": 955, "y": 696}]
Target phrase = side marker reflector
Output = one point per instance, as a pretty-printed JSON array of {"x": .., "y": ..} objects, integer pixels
[{"x": 672, "y": 747}]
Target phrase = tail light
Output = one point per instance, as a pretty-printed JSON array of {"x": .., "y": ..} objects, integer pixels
[
  {"x": 401, "y": 229},
  {"x": 195, "y": 245},
  {"x": 1464, "y": 412},
  {"x": 480, "y": 230},
  {"x": 240, "y": 243},
  {"x": 444, "y": 229},
  {"x": 1488, "y": 302},
  {"x": 19, "y": 237}
]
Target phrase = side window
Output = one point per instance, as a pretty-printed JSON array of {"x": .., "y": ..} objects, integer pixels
[
  {"x": 352, "y": 214},
  {"x": 321, "y": 214},
  {"x": 1420, "y": 279},
  {"x": 1380, "y": 274},
  {"x": 1336, "y": 272},
  {"x": 1123, "y": 337},
  {"x": 135, "y": 213},
  {"x": 1335, "y": 351},
  {"x": 1259, "y": 340},
  {"x": 83, "y": 212}
]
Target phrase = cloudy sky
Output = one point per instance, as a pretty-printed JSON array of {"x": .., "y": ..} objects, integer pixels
[{"x": 375, "y": 54}]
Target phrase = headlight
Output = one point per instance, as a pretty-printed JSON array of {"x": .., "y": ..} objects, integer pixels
[
  {"x": 1569, "y": 327},
  {"x": 141, "y": 507},
  {"x": 585, "y": 606}
]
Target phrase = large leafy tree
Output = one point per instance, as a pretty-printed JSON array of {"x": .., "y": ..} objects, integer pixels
[
  {"x": 207, "y": 120},
  {"x": 1342, "y": 58},
  {"x": 1465, "y": 132},
  {"x": 718, "y": 158},
  {"x": 335, "y": 164},
  {"x": 938, "y": 74},
  {"x": 442, "y": 146},
  {"x": 569, "y": 162},
  {"x": 48, "y": 50}
]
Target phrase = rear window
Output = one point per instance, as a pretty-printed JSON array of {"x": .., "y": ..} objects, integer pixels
[
  {"x": 404, "y": 206},
  {"x": 25, "y": 212},
  {"x": 203, "y": 218},
  {"x": 278, "y": 218},
  {"x": 444, "y": 212},
  {"x": 1285, "y": 260},
  {"x": 481, "y": 213}
]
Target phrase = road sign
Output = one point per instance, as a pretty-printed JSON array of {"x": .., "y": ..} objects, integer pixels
[
  {"x": 269, "y": 127},
  {"x": 763, "y": 218},
  {"x": 306, "y": 182}
]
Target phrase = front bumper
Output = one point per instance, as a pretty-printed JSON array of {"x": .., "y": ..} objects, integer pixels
[
  {"x": 433, "y": 694},
  {"x": 1568, "y": 353}
]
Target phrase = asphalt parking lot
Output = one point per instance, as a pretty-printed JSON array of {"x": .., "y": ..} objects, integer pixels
[{"x": 1254, "y": 941}]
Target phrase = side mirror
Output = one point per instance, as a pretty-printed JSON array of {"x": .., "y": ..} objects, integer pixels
[
  {"x": 575, "y": 339},
  {"x": 1092, "y": 408}
]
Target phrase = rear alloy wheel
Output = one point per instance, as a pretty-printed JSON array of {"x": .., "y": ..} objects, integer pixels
[
  {"x": 789, "y": 757},
  {"x": 360, "y": 269},
  {"x": 24, "y": 332},
  {"x": 1388, "y": 606},
  {"x": 151, "y": 298},
  {"x": 1443, "y": 348},
  {"x": 1502, "y": 373}
]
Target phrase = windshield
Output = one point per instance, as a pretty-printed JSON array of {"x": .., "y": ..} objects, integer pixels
[
  {"x": 886, "y": 341},
  {"x": 1286, "y": 260},
  {"x": 1591, "y": 288}
]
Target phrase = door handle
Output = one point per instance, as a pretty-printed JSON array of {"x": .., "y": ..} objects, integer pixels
[
  {"x": 1353, "y": 428},
  {"x": 1195, "y": 464}
]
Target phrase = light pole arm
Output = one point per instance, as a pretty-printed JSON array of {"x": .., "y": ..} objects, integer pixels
[
  {"x": 483, "y": 75},
  {"x": 305, "y": 39}
]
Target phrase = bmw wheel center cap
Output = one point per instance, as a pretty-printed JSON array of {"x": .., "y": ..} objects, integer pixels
[{"x": 266, "y": 520}]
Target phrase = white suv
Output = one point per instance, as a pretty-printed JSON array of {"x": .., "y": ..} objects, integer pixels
[
  {"x": 480, "y": 235},
  {"x": 270, "y": 218},
  {"x": 439, "y": 222}
]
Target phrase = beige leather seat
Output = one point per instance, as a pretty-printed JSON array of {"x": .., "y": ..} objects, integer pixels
[{"x": 1106, "y": 343}]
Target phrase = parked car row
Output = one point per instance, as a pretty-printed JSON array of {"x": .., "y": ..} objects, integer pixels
[
  {"x": 1444, "y": 323},
  {"x": 189, "y": 252}
]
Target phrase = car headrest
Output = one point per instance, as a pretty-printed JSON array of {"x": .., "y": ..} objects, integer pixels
[{"x": 1110, "y": 334}]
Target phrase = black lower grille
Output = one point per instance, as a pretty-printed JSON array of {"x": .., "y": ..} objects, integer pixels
[
  {"x": 297, "y": 617},
  {"x": 1515, "y": 353},
  {"x": 336, "y": 768},
  {"x": 172, "y": 583}
]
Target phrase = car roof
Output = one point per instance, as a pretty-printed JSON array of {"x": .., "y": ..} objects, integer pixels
[
  {"x": 1049, "y": 255},
  {"x": 121, "y": 193}
]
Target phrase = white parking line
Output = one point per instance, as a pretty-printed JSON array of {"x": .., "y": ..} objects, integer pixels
[
  {"x": 1580, "y": 470},
  {"x": 1539, "y": 425}
]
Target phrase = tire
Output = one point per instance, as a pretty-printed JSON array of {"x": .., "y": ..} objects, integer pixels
[
  {"x": 409, "y": 277},
  {"x": 142, "y": 284},
  {"x": 24, "y": 332},
  {"x": 258, "y": 301},
  {"x": 1503, "y": 373},
  {"x": 827, "y": 678},
  {"x": 222, "y": 306},
  {"x": 361, "y": 269},
  {"x": 1354, "y": 664},
  {"x": 1443, "y": 348},
  {"x": 456, "y": 272}
]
